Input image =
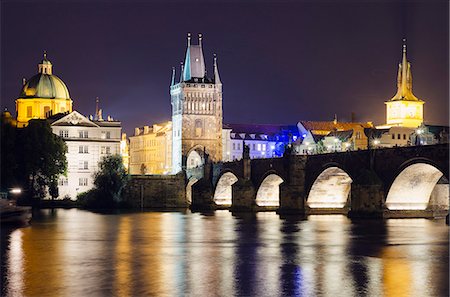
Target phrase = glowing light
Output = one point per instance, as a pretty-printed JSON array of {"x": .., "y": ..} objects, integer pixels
[
  {"x": 223, "y": 193},
  {"x": 412, "y": 188},
  {"x": 347, "y": 144},
  {"x": 304, "y": 135},
  {"x": 272, "y": 147},
  {"x": 330, "y": 190},
  {"x": 307, "y": 142},
  {"x": 16, "y": 191},
  {"x": 336, "y": 140},
  {"x": 269, "y": 191}
]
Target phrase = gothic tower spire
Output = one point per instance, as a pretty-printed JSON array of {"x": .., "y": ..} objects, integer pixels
[
  {"x": 194, "y": 63},
  {"x": 216, "y": 71}
]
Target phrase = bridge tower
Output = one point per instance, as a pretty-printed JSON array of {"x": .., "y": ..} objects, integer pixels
[
  {"x": 196, "y": 111},
  {"x": 404, "y": 109}
]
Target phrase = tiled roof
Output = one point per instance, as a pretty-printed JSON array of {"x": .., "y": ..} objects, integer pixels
[
  {"x": 331, "y": 125},
  {"x": 343, "y": 135}
]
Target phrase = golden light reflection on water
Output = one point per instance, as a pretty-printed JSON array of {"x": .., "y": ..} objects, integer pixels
[
  {"x": 123, "y": 255},
  {"x": 76, "y": 253}
]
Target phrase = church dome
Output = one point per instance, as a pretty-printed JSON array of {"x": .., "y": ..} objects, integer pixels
[{"x": 45, "y": 84}]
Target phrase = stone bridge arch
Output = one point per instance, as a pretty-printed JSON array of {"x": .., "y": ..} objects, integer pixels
[
  {"x": 223, "y": 191},
  {"x": 419, "y": 184},
  {"x": 330, "y": 189},
  {"x": 195, "y": 157},
  {"x": 268, "y": 190}
]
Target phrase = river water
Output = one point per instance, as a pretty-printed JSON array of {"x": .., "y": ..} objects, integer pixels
[{"x": 79, "y": 253}]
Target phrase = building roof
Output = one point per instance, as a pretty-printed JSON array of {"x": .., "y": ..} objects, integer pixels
[
  {"x": 333, "y": 125},
  {"x": 404, "y": 80},
  {"x": 44, "y": 84},
  {"x": 342, "y": 135}
]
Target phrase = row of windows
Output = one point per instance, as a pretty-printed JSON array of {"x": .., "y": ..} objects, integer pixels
[
  {"x": 104, "y": 150},
  {"x": 46, "y": 110},
  {"x": 82, "y": 181},
  {"x": 254, "y": 146},
  {"x": 399, "y": 136},
  {"x": 85, "y": 134}
]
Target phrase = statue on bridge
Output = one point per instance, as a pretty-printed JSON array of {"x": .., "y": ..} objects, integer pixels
[{"x": 246, "y": 152}]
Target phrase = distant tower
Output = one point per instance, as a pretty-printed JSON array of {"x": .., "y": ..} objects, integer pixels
[
  {"x": 404, "y": 109},
  {"x": 196, "y": 111}
]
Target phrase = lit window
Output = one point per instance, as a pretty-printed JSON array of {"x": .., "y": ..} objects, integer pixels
[
  {"x": 64, "y": 133},
  {"x": 259, "y": 146},
  {"x": 264, "y": 147},
  {"x": 83, "y": 165},
  {"x": 83, "y": 134},
  {"x": 63, "y": 181},
  {"x": 29, "y": 111},
  {"x": 83, "y": 149}
]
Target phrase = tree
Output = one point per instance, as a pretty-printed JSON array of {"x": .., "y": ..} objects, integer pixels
[
  {"x": 111, "y": 178},
  {"x": 42, "y": 157}
]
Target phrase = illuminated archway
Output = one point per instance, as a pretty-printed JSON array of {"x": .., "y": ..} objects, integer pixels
[
  {"x": 412, "y": 188},
  {"x": 223, "y": 193},
  {"x": 194, "y": 160},
  {"x": 189, "y": 185},
  {"x": 330, "y": 189},
  {"x": 269, "y": 191}
]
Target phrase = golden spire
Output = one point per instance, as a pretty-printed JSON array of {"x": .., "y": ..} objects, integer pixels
[{"x": 404, "y": 79}]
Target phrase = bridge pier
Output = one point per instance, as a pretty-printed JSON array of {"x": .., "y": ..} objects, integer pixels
[
  {"x": 243, "y": 196},
  {"x": 292, "y": 199},
  {"x": 202, "y": 196},
  {"x": 369, "y": 202}
]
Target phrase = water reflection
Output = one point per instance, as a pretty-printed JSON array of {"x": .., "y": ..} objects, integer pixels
[{"x": 77, "y": 253}]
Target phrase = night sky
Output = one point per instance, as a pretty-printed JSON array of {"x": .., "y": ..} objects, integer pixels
[{"x": 279, "y": 62}]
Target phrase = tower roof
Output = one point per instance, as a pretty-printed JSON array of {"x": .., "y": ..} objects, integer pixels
[
  {"x": 194, "y": 63},
  {"x": 404, "y": 80}
]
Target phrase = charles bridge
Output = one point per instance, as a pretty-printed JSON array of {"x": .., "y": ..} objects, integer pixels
[{"x": 391, "y": 182}]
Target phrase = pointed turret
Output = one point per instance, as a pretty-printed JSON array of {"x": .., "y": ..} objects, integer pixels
[
  {"x": 172, "y": 82},
  {"x": 404, "y": 79},
  {"x": 181, "y": 72},
  {"x": 216, "y": 71},
  {"x": 194, "y": 63}
]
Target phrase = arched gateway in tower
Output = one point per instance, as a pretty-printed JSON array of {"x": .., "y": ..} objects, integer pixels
[{"x": 196, "y": 109}]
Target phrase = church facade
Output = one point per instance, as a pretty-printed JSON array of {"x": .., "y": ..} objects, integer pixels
[{"x": 196, "y": 111}]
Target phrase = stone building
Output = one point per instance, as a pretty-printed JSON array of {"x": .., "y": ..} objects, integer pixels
[
  {"x": 88, "y": 141},
  {"x": 151, "y": 149},
  {"x": 45, "y": 96},
  {"x": 196, "y": 111},
  {"x": 42, "y": 95}
]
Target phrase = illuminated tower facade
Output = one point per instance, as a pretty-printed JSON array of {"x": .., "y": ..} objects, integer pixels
[
  {"x": 404, "y": 109},
  {"x": 42, "y": 95},
  {"x": 196, "y": 111}
]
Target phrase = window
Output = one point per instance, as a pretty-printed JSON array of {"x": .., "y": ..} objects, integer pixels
[
  {"x": 253, "y": 146},
  {"x": 29, "y": 111},
  {"x": 83, "y": 181},
  {"x": 259, "y": 146},
  {"x": 105, "y": 150},
  {"x": 83, "y": 165},
  {"x": 393, "y": 136},
  {"x": 238, "y": 146},
  {"x": 398, "y": 136},
  {"x": 83, "y": 149},
  {"x": 83, "y": 134},
  {"x": 106, "y": 135},
  {"x": 358, "y": 135},
  {"x": 198, "y": 128},
  {"x": 234, "y": 146},
  {"x": 264, "y": 147},
  {"x": 47, "y": 111},
  {"x": 64, "y": 133},
  {"x": 404, "y": 136},
  {"x": 63, "y": 181}
]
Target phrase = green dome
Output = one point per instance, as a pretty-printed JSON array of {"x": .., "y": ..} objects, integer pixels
[{"x": 45, "y": 86}]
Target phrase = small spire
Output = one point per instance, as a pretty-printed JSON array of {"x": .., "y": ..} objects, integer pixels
[
  {"x": 189, "y": 39},
  {"x": 182, "y": 71},
  {"x": 200, "y": 39},
  {"x": 45, "y": 55},
  {"x": 335, "y": 119},
  {"x": 216, "y": 71},
  {"x": 173, "y": 77},
  {"x": 97, "y": 110},
  {"x": 404, "y": 45},
  {"x": 24, "y": 81}
]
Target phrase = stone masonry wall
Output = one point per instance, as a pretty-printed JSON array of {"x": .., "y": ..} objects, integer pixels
[{"x": 156, "y": 191}]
